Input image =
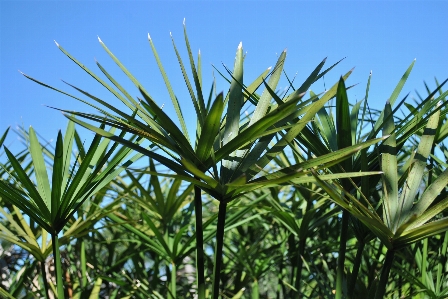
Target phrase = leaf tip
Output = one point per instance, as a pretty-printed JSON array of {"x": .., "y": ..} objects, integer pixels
[
  {"x": 99, "y": 39},
  {"x": 370, "y": 73},
  {"x": 184, "y": 22},
  {"x": 269, "y": 68},
  {"x": 56, "y": 43},
  {"x": 240, "y": 46},
  {"x": 149, "y": 37},
  {"x": 171, "y": 34}
]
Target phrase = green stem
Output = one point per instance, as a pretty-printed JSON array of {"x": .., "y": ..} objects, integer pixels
[
  {"x": 302, "y": 245},
  {"x": 44, "y": 278},
  {"x": 423, "y": 266},
  {"x": 173, "y": 284},
  {"x": 293, "y": 258},
  {"x": 382, "y": 284},
  {"x": 441, "y": 263},
  {"x": 255, "y": 290},
  {"x": 157, "y": 269},
  {"x": 83, "y": 265},
  {"x": 341, "y": 256},
  {"x": 199, "y": 243},
  {"x": 280, "y": 284},
  {"x": 355, "y": 271},
  {"x": 58, "y": 266},
  {"x": 371, "y": 277},
  {"x": 218, "y": 249},
  {"x": 401, "y": 281},
  {"x": 301, "y": 252}
]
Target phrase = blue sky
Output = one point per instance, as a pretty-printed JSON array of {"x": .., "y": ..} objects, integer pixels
[{"x": 384, "y": 37}]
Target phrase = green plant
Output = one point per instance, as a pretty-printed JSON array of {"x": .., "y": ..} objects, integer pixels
[
  {"x": 401, "y": 222},
  {"x": 255, "y": 195},
  {"x": 52, "y": 205}
]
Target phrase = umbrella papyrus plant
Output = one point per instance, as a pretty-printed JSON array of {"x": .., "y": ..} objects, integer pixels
[
  {"x": 51, "y": 202},
  {"x": 328, "y": 127},
  {"x": 407, "y": 208},
  {"x": 230, "y": 156}
]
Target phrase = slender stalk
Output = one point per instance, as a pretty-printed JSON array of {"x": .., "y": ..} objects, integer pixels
[
  {"x": 356, "y": 265},
  {"x": 58, "y": 266},
  {"x": 83, "y": 264},
  {"x": 301, "y": 252},
  {"x": 401, "y": 281},
  {"x": 302, "y": 244},
  {"x": 280, "y": 285},
  {"x": 218, "y": 249},
  {"x": 293, "y": 257},
  {"x": 424, "y": 263},
  {"x": 199, "y": 243},
  {"x": 382, "y": 284},
  {"x": 157, "y": 269},
  {"x": 441, "y": 263},
  {"x": 173, "y": 284},
  {"x": 255, "y": 290},
  {"x": 44, "y": 276},
  {"x": 341, "y": 256},
  {"x": 371, "y": 270}
]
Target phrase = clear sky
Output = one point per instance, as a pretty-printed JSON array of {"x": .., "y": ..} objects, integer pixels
[{"x": 384, "y": 37}]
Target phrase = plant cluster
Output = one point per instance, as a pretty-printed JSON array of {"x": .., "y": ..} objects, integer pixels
[{"x": 277, "y": 195}]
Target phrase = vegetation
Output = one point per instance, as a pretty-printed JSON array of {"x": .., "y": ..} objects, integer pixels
[{"x": 277, "y": 195}]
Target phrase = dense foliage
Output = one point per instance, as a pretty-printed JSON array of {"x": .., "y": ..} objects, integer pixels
[{"x": 303, "y": 196}]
